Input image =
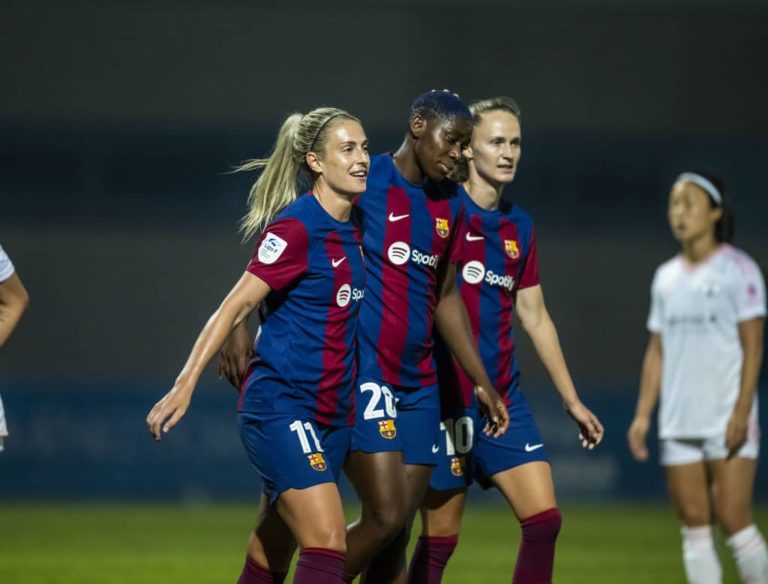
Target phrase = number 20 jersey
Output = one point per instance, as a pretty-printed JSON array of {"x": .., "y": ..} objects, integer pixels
[{"x": 409, "y": 232}]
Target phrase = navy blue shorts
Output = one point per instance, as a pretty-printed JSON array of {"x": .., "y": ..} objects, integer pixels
[
  {"x": 469, "y": 455},
  {"x": 290, "y": 452},
  {"x": 393, "y": 419}
]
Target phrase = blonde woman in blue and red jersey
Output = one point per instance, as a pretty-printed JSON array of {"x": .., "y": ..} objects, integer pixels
[
  {"x": 296, "y": 406},
  {"x": 412, "y": 221},
  {"x": 498, "y": 273}
]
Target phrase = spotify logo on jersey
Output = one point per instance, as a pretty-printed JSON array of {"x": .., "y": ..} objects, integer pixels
[
  {"x": 473, "y": 272},
  {"x": 344, "y": 295},
  {"x": 399, "y": 252}
]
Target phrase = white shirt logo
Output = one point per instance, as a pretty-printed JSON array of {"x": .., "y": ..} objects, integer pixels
[
  {"x": 399, "y": 252},
  {"x": 529, "y": 448},
  {"x": 471, "y": 237},
  {"x": 344, "y": 295},
  {"x": 473, "y": 272},
  {"x": 337, "y": 263},
  {"x": 392, "y": 217},
  {"x": 435, "y": 448},
  {"x": 271, "y": 248}
]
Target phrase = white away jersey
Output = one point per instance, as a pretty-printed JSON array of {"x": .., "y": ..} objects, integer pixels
[
  {"x": 6, "y": 267},
  {"x": 696, "y": 310}
]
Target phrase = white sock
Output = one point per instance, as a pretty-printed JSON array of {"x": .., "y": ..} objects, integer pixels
[
  {"x": 751, "y": 555},
  {"x": 702, "y": 566}
]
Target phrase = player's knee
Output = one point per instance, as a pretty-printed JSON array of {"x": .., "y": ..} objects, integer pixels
[
  {"x": 732, "y": 518},
  {"x": 332, "y": 538},
  {"x": 694, "y": 515},
  {"x": 542, "y": 527},
  {"x": 386, "y": 521}
]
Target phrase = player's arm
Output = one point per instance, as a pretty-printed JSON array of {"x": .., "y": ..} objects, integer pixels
[
  {"x": 14, "y": 300},
  {"x": 536, "y": 321},
  {"x": 650, "y": 386},
  {"x": 453, "y": 325},
  {"x": 751, "y": 338},
  {"x": 249, "y": 291}
]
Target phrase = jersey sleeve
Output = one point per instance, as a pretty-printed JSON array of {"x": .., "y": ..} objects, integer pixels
[
  {"x": 6, "y": 266},
  {"x": 749, "y": 289},
  {"x": 529, "y": 276},
  {"x": 655, "y": 315},
  {"x": 281, "y": 254},
  {"x": 457, "y": 238}
]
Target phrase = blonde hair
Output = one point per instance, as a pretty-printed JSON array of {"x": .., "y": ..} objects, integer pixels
[
  {"x": 494, "y": 104},
  {"x": 286, "y": 170}
]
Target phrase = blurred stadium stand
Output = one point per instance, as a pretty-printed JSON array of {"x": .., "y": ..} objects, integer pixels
[{"x": 119, "y": 122}]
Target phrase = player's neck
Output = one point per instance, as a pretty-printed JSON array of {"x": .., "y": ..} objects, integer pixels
[
  {"x": 335, "y": 204},
  {"x": 406, "y": 163},
  {"x": 485, "y": 195},
  {"x": 698, "y": 249}
]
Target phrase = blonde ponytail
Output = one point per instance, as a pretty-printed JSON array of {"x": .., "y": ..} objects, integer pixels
[
  {"x": 276, "y": 186},
  {"x": 286, "y": 170}
]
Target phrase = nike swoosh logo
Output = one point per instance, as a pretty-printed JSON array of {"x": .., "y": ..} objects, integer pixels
[
  {"x": 435, "y": 448},
  {"x": 337, "y": 263},
  {"x": 393, "y": 217},
  {"x": 474, "y": 237},
  {"x": 529, "y": 448}
]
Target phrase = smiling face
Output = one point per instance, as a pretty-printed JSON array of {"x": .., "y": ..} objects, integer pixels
[
  {"x": 343, "y": 162},
  {"x": 495, "y": 149},
  {"x": 439, "y": 143},
  {"x": 691, "y": 214}
]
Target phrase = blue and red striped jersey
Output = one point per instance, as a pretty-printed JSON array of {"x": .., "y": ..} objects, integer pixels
[
  {"x": 304, "y": 354},
  {"x": 498, "y": 258},
  {"x": 409, "y": 231}
]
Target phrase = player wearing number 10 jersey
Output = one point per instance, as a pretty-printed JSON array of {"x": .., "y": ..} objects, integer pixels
[{"x": 497, "y": 273}]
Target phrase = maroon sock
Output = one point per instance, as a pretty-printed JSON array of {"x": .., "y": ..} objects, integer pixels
[
  {"x": 537, "y": 548},
  {"x": 253, "y": 573},
  {"x": 430, "y": 558},
  {"x": 319, "y": 566}
]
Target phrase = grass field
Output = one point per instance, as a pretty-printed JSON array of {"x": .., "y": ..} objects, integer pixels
[{"x": 167, "y": 544}]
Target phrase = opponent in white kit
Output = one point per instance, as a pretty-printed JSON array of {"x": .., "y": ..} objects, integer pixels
[
  {"x": 704, "y": 354},
  {"x": 13, "y": 301}
]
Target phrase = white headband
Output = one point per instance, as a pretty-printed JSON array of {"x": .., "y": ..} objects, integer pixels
[{"x": 702, "y": 182}]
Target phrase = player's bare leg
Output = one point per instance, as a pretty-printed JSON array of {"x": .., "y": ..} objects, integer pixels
[
  {"x": 270, "y": 547},
  {"x": 316, "y": 518},
  {"x": 441, "y": 514},
  {"x": 381, "y": 485},
  {"x": 389, "y": 566},
  {"x": 732, "y": 487},
  {"x": 530, "y": 492},
  {"x": 688, "y": 486}
]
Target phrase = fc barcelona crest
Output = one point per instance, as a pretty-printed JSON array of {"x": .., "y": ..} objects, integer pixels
[
  {"x": 457, "y": 466},
  {"x": 441, "y": 226},
  {"x": 510, "y": 246},
  {"x": 317, "y": 461},
  {"x": 387, "y": 429}
]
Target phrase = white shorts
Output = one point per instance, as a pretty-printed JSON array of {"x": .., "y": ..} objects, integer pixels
[{"x": 675, "y": 451}]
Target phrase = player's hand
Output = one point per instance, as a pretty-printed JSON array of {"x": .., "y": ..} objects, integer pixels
[
  {"x": 494, "y": 409},
  {"x": 168, "y": 411},
  {"x": 235, "y": 354},
  {"x": 636, "y": 436},
  {"x": 736, "y": 432},
  {"x": 590, "y": 429}
]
